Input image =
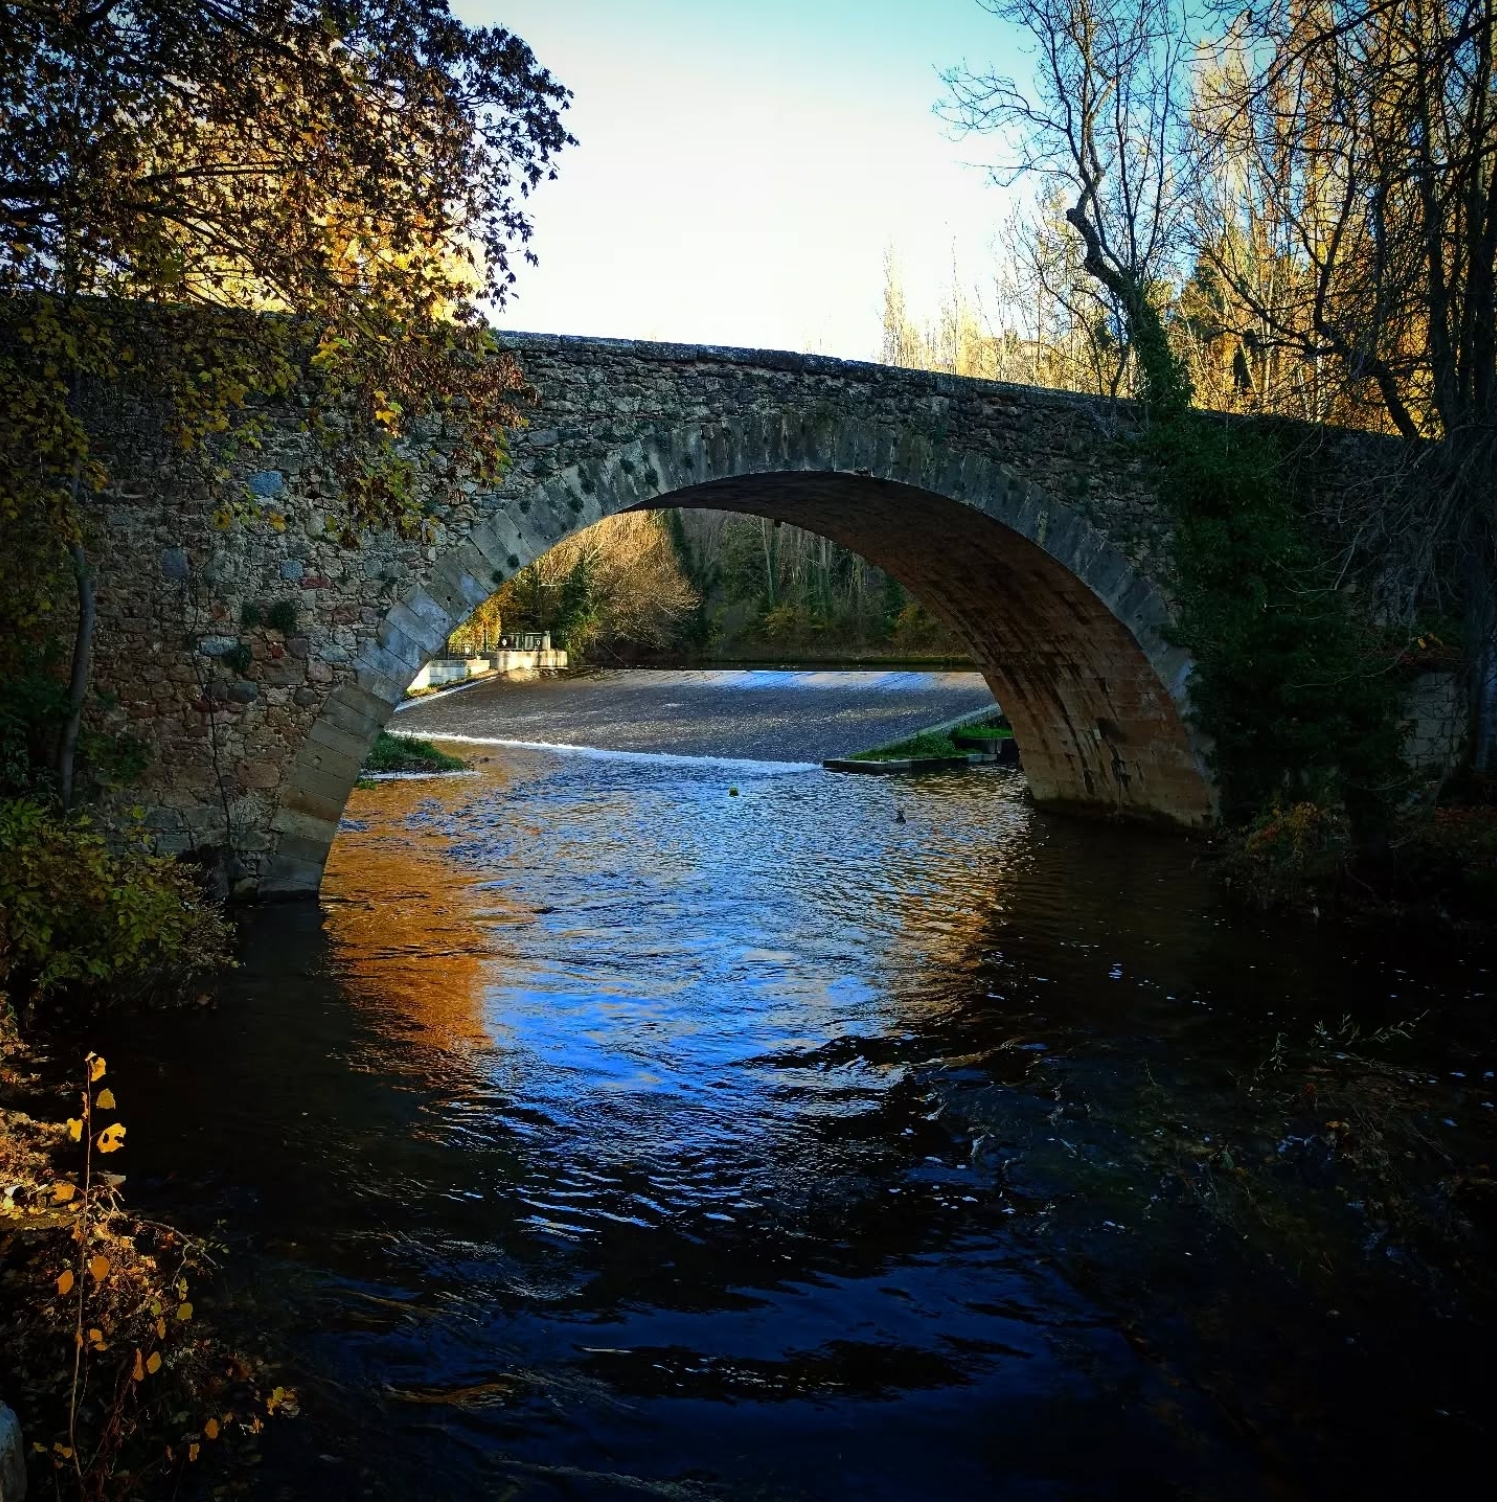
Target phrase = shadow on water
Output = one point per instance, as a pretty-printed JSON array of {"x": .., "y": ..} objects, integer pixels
[{"x": 608, "y": 1133}]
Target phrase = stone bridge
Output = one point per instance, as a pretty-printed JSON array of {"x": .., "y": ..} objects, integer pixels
[{"x": 1020, "y": 516}]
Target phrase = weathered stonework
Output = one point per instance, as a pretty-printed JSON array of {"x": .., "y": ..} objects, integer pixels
[
  {"x": 1019, "y": 515},
  {"x": 1437, "y": 723}
]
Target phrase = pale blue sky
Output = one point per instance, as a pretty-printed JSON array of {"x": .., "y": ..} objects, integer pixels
[{"x": 740, "y": 168}]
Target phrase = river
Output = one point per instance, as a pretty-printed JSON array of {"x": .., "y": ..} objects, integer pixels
[{"x": 626, "y": 1125}]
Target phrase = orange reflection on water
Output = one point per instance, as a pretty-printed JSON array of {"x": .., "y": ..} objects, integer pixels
[{"x": 400, "y": 911}]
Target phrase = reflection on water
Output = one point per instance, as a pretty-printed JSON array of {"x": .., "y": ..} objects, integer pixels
[{"x": 614, "y": 1133}]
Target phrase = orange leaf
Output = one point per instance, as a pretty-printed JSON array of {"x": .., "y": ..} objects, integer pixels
[
  {"x": 161, "y": 1329},
  {"x": 153, "y": 1362},
  {"x": 211, "y": 1428},
  {"x": 99, "y": 1267},
  {"x": 138, "y": 1372},
  {"x": 192, "y": 1451},
  {"x": 64, "y": 1282},
  {"x": 62, "y": 1193}
]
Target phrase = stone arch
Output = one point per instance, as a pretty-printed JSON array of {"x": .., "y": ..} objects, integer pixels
[{"x": 1071, "y": 637}]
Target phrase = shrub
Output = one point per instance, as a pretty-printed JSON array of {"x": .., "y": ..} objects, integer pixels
[
  {"x": 1290, "y": 853},
  {"x": 239, "y": 658},
  {"x": 282, "y": 617},
  {"x": 77, "y": 915}
]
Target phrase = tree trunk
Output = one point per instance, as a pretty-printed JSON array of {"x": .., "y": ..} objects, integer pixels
[{"x": 83, "y": 651}]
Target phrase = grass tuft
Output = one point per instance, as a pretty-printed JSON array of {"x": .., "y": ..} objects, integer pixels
[
  {"x": 396, "y": 753},
  {"x": 926, "y": 743}
]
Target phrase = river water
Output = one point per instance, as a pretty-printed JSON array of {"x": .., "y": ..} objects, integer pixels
[{"x": 634, "y": 1126}]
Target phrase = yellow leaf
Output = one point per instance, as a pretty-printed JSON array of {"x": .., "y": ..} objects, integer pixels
[
  {"x": 66, "y": 1451},
  {"x": 153, "y": 1362},
  {"x": 64, "y": 1282},
  {"x": 112, "y": 1138},
  {"x": 96, "y": 1335},
  {"x": 105, "y": 1101},
  {"x": 99, "y": 1268},
  {"x": 184, "y": 1311},
  {"x": 211, "y": 1428},
  {"x": 138, "y": 1371},
  {"x": 75, "y": 1129},
  {"x": 161, "y": 1329},
  {"x": 62, "y": 1193},
  {"x": 95, "y": 1068},
  {"x": 155, "y": 1306},
  {"x": 192, "y": 1451}
]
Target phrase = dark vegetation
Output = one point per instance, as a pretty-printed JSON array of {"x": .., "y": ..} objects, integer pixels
[
  {"x": 204, "y": 204},
  {"x": 1198, "y": 237}
]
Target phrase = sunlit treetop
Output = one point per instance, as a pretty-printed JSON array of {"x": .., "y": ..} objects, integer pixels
[{"x": 269, "y": 153}]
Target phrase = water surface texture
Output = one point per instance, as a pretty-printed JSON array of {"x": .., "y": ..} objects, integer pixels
[{"x": 611, "y": 1133}]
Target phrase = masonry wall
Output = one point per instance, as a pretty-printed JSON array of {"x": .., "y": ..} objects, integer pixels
[{"x": 255, "y": 730}]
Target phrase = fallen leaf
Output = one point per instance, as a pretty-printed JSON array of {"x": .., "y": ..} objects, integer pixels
[
  {"x": 62, "y": 1193},
  {"x": 64, "y": 1282},
  {"x": 184, "y": 1311},
  {"x": 138, "y": 1372},
  {"x": 161, "y": 1329},
  {"x": 99, "y": 1267},
  {"x": 211, "y": 1428},
  {"x": 153, "y": 1362}
]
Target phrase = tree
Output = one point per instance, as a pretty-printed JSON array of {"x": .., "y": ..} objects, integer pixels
[
  {"x": 619, "y": 583},
  {"x": 1357, "y": 144},
  {"x": 1289, "y": 682},
  {"x": 1101, "y": 123},
  {"x": 239, "y": 196}
]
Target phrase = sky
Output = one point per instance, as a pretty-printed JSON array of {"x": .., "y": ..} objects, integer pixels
[{"x": 741, "y": 169}]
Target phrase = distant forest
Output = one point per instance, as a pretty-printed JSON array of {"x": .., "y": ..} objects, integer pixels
[{"x": 667, "y": 586}]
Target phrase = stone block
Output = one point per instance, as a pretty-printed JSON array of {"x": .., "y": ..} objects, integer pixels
[
  {"x": 267, "y": 483},
  {"x": 258, "y": 774}
]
